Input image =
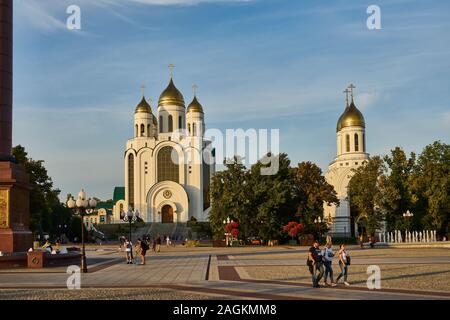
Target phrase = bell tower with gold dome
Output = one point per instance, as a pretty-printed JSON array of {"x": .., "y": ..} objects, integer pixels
[
  {"x": 351, "y": 153},
  {"x": 171, "y": 109}
]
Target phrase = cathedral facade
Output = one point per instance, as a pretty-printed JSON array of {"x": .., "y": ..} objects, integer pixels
[
  {"x": 167, "y": 178},
  {"x": 350, "y": 154}
]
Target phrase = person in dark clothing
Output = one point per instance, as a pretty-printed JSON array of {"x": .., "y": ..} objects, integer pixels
[
  {"x": 315, "y": 263},
  {"x": 158, "y": 243}
]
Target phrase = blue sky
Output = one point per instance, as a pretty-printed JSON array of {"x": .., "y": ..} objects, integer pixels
[{"x": 258, "y": 63}]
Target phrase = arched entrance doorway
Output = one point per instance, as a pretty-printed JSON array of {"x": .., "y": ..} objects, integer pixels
[{"x": 167, "y": 214}]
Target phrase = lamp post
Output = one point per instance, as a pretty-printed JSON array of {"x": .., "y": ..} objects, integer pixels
[
  {"x": 318, "y": 221},
  {"x": 130, "y": 217},
  {"x": 226, "y": 222},
  {"x": 62, "y": 231},
  {"x": 81, "y": 207},
  {"x": 408, "y": 216}
]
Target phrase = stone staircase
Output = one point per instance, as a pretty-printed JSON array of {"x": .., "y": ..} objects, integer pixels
[{"x": 176, "y": 231}]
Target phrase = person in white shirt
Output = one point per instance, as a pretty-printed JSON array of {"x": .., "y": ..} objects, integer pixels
[
  {"x": 328, "y": 255},
  {"x": 343, "y": 264},
  {"x": 128, "y": 250}
]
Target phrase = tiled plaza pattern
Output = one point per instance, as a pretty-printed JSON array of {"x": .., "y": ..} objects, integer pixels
[{"x": 238, "y": 273}]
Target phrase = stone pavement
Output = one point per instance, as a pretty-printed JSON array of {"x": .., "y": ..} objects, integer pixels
[{"x": 225, "y": 273}]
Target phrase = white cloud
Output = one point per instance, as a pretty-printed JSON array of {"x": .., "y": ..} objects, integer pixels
[
  {"x": 49, "y": 15},
  {"x": 366, "y": 100},
  {"x": 183, "y": 2}
]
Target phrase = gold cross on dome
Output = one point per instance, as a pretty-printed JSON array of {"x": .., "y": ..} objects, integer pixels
[
  {"x": 346, "y": 91},
  {"x": 351, "y": 87},
  {"x": 194, "y": 89},
  {"x": 171, "y": 66},
  {"x": 143, "y": 90}
]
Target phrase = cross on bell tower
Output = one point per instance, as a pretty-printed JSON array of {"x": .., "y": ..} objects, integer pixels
[
  {"x": 171, "y": 66},
  {"x": 351, "y": 87}
]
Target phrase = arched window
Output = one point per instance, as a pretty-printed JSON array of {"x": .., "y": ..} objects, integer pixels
[
  {"x": 168, "y": 170},
  {"x": 148, "y": 130},
  {"x": 356, "y": 142},
  {"x": 161, "y": 127},
  {"x": 180, "y": 122},
  {"x": 121, "y": 212},
  {"x": 137, "y": 131},
  {"x": 170, "y": 123},
  {"x": 347, "y": 143},
  {"x": 142, "y": 130},
  {"x": 131, "y": 180},
  {"x": 189, "y": 128},
  {"x": 194, "y": 129},
  {"x": 364, "y": 142}
]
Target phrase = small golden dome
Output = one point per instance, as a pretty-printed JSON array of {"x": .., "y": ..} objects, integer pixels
[
  {"x": 351, "y": 117},
  {"x": 195, "y": 106},
  {"x": 143, "y": 107},
  {"x": 171, "y": 96}
]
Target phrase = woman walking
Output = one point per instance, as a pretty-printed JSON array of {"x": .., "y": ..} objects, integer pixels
[
  {"x": 138, "y": 250},
  {"x": 328, "y": 255},
  {"x": 344, "y": 262},
  {"x": 129, "y": 251}
]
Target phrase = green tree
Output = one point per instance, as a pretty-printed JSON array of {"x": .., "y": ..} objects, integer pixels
[
  {"x": 229, "y": 197},
  {"x": 395, "y": 197},
  {"x": 364, "y": 192},
  {"x": 430, "y": 186},
  {"x": 272, "y": 197},
  {"x": 46, "y": 212},
  {"x": 311, "y": 191}
]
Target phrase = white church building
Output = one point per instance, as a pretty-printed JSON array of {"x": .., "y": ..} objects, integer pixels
[
  {"x": 350, "y": 154},
  {"x": 166, "y": 178}
]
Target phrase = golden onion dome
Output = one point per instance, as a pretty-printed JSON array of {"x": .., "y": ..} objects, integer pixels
[
  {"x": 351, "y": 117},
  {"x": 171, "y": 96},
  {"x": 143, "y": 107},
  {"x": 195, "y": 106}
]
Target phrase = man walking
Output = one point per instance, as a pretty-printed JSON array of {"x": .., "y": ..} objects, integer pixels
[{"x": 315, "y": 263}]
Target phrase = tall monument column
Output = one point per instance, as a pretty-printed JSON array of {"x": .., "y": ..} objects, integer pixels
[{"x": 15, "y": 235}]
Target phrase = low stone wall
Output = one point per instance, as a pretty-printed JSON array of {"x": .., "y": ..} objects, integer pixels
[
  {"x": 437, "y": 244},
  {"x": 15, "y": 261},
  {"x": 50, "y": 260}
]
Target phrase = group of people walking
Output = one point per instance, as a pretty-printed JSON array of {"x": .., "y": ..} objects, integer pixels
[
  {"x": 320, "y": 263},
  {"x": 141, "y": 247}
]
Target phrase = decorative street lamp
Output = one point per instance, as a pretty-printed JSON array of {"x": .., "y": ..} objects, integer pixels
[
  {"x": 82, "y": 207},
  {"x": 318, "y": 221},
  {"x": 408, "y": 216},
  {"x": 62, "y": 231},
  {"x": 226, "y": 222},
  {"x": 130, "y": 217}
]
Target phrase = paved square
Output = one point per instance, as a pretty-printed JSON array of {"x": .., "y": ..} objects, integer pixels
[{"x": 236, "y": 273}]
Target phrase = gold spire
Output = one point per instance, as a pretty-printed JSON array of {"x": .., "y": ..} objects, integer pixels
[
  {"x": 143, "y": 90},
  {"x": 351, "y": 116},
  {"x": 195, "y": 106},
  {"x": 143, "y": 106},
  {"x": 171, "y": 96}
]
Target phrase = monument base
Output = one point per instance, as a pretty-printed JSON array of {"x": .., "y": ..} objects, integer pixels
[
  {"x": 15, "y": 235},
  {"x": 15, "y": 241}
]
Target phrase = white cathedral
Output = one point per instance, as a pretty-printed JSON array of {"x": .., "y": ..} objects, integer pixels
[
  {"x": 351, "y": 154},
  {"x": 166, "y": 179}
]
